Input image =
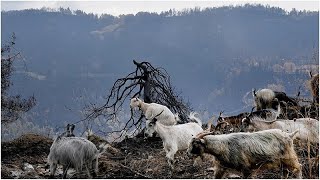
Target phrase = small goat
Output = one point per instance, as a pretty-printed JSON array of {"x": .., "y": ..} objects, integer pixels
[
  {"x": 248, "y": 151},
  {"x": 150, "y": 110},
  {"x": 76, "y": 152},
  {"x": 308, "y": 127},
  {"x": 264, "y": 98},
  {"x": 176, "y": 137}
]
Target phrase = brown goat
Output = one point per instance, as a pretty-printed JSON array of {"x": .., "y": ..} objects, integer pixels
[
  {"x": 246, "y": 152},
  {"x": 232, "y": 120}
]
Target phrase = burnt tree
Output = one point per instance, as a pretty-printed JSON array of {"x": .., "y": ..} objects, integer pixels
[
  {"x": 152, "y": 84},
  {"x": 11, "y": 106}
]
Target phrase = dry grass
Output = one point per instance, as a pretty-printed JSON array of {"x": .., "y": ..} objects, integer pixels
[{"x": 139, "y": 158}]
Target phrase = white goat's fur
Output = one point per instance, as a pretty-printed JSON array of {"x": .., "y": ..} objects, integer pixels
[
  {"x": 76, "y": 152},
  {"x": 266, "y": 94},
  {"x": 192, "y": 117},
  {"x": 151, "y": 110},
  {"x": 262, "y": 97},
  {"x": 308, "y": 127},
  {"x": 176, "y": 137}
]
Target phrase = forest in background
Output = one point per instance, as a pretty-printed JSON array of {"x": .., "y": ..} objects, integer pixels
[{"x": 214, "y": 56}]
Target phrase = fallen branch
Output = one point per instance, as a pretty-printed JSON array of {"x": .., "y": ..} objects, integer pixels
[{"x": 134, "y": 171}]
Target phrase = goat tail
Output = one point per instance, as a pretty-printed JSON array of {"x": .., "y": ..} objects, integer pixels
[
  {"x": 193, "y": 117},
  {"x": 292, "y": 135}
]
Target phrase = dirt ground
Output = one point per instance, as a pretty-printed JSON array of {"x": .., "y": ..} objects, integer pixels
[{"x": 137, "y": 158}]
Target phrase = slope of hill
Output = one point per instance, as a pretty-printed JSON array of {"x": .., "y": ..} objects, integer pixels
[
  {"x": 215, "y": 56},
  {"x": 138, "y": 158}
]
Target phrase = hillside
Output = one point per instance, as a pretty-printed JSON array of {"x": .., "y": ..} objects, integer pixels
[
  {"x": 214, "y": 57},
  {"x": 140, "y": 158}
]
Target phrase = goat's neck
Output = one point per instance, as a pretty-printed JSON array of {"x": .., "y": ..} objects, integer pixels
[
  {"x": 161, "y": 130},
  {"x": 214, "y": 147},
  {"x": 143, "y": 106},
  {"x": 263, "y": 125}
]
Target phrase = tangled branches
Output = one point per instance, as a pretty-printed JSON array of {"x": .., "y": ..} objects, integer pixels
[
  {"x": 11, "y": 106},
  {"x": 153, "y": 84}
]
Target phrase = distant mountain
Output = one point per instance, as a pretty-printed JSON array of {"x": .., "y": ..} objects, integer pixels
[{"x": 214, "y": 56}]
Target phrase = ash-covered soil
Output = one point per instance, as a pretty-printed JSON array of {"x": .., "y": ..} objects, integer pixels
[{"x": 140, "y": 158}]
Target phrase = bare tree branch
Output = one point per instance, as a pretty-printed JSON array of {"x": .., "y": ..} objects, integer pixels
[{"x": 153, "y": 84}]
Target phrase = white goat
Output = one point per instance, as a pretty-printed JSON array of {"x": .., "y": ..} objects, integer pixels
[
  {"x": 176, "y": 137},
  {"x": 308, "y": 127},
  {"x": 151, "y": 110},
  {"x": 75, "y": 152}
]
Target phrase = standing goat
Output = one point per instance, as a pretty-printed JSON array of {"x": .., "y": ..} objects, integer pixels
[
  {"x": 248, "y": 151},
  {"x": 176, "y": 137},
  {"x": 150, "y": 110},
  {"x": 308, "y": 127},
  {"x": 76, "y": 152},
  {"x": 265, "y": 98}
]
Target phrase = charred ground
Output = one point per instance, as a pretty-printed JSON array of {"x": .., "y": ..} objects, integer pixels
[{"x": 137, "y": 158}]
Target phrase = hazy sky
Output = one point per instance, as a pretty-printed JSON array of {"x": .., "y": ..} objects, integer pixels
[{"x": 132, "y": 6}]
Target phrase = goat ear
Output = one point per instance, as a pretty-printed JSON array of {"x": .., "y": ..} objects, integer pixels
[
  {"x": 72, "y": 127},
  {"x": 68, "y": 126},
  {"x": 310, "y": 74},
  {"x": 251, "y": 111},
  {"x": 254, "y": 92}
]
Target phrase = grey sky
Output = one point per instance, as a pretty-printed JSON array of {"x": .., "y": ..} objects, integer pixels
[{"x": 132, "y": 6}]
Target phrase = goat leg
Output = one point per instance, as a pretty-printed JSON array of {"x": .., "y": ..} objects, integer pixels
[{"x": 65, "y": 170}]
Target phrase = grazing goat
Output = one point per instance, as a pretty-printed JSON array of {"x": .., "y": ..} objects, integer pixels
[
  {"x": 314, "y": 86},
  {"x": 176, "y": 137},
  {"x": 150, "y": 110},
  {"x": 76, "y": 152},
  {"x": 265, "y": 98},
  {"x": 248, "y": 151},
  {"x": 308, "y": 127}
]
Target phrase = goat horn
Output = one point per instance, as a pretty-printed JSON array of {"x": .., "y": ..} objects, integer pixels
[
  {"x": 201, "y": 135},
  {"x": 210, "y": 123},
  {"x": 220, "y": 113},
  {"x": 254, "y": 91},
  {"x": 251, "y": 111}
]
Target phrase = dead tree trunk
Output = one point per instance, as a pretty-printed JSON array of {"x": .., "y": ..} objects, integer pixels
[{"x": 153, "y": 84}]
